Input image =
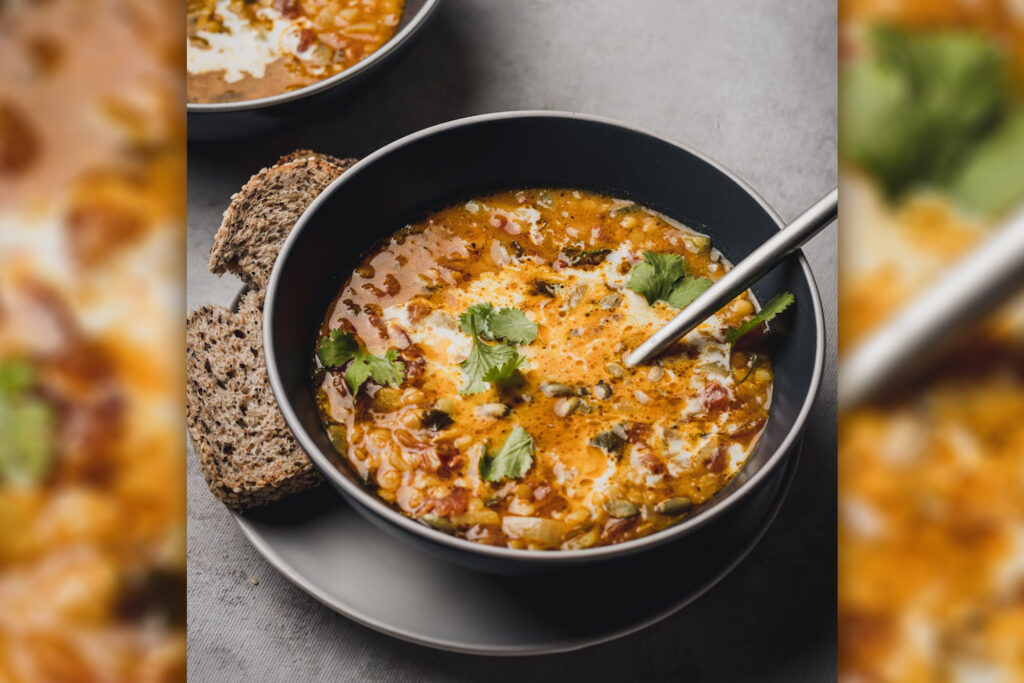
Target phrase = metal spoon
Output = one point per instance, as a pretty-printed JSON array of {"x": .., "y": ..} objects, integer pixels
[
  {"x": 972, "y": 288},
  {"x": 742, "y": 275}
]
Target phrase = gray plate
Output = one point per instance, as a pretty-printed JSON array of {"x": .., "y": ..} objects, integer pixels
[{"x": 328, "y": 550}]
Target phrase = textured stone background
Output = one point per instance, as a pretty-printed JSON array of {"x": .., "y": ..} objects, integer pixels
[{"x": 753, "y": 85}]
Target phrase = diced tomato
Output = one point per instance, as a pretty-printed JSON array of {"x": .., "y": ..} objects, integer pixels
[
  {"x": 306, "y": 39},
  {"x": 287, "y": 8},
  {"x": 453, "y": 504},
  {"x": 715, "y": 397}
]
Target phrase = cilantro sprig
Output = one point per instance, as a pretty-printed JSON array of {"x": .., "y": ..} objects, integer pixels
[
  {"x": 489, "y": 364},
  {"x": 339, "y": 347},
  {"x": 777, "y": 305},
  {"x": 513, "y": 460},
  {"x": 664, "y": 277}
]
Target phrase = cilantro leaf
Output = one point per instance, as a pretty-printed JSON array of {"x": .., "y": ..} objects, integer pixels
[
  {"x": 340, "y": 347},
  {"x": 771, "y": 309},
  {"x": 663, "y": 277},
  {"x": 655, "y": 277},
  {"x": 486, "y": 364},
  {"x": 337, "y": 348},
  {"x": 513, "y": 460},
  {"x": 512, "y": 325},
  {"x": 385, "y": 371},
  {"x": 686, "y": 290},
  {"x": 507, "y": 324},
  {"x": 499, "y": 373},
  {"x": 27, "y": 424},
  {"x": 474, "y": 320},
  {"x": 489, "y": 364}
]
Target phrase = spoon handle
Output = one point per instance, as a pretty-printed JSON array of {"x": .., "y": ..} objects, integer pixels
[
  {"x": 948, "y": 310},
  {"x": 742, "y": 275}
]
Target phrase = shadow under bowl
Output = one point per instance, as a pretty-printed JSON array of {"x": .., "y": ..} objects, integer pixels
[{"x": 428, "y": 170}]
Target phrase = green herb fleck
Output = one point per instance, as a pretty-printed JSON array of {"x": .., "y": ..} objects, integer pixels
[
  {"x": 686, "y": 290},
  {"x": 475, "y": 318},
  {"x": 771, "y": 309},
  {"x": 750, "y": 370},
  {"x": 664, "y": 277},
  {"x": 438, "y": 522},
  {"x": 548, "y": 289},
  {"x": 435, "y": 420},
  {"x": 27, "y": 424},
  {"x": 585, "y": 257},
  {"x": 611, "y": 442},
  {"x": 512, "y": 461}
]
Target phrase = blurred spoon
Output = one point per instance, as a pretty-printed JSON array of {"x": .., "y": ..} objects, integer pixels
[
  {"x": 740, "y": 277},
  {"x": 970, "y": 290}
]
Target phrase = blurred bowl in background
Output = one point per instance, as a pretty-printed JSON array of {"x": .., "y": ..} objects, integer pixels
[{"x": 230, "y": 120}]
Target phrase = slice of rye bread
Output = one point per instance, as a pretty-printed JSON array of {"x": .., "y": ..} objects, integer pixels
[
  {"x": 243, "y": 445},
  {"x": 308, "y": 153},
  {"x": 245, "y": 450},
  {"x": 263, "y": 212}
]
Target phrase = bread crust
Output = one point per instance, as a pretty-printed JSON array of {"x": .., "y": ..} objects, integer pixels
[
  {"x": 244, "y": 448},
  {"x": 263, "y": 212}
]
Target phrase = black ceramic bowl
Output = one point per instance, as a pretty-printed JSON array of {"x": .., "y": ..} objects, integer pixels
[
  {"x": 450, "y": 162},
  {"x": 227, "y": 120}
]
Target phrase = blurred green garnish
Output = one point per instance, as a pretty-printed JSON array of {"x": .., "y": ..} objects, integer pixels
[
  {"x": 26, "y": 427},
  {"x": 935, "y": 110},
  {"x": 992, "y": 179}
]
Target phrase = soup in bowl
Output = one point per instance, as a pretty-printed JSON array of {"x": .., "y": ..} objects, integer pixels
[
  {"x": 471, "y": 372},
  {"x": 445, "y": 330}
]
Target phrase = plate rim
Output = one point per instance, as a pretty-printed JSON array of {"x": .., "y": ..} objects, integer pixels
[{"x": 294, "y": 577}]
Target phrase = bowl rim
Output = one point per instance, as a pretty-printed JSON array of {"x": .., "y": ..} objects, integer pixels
[
  {"x": 415, "y": 24},
  {"x": 368, "y": 500}
]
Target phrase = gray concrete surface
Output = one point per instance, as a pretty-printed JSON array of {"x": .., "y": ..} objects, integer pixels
[{"x": 752, "y": 84}]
